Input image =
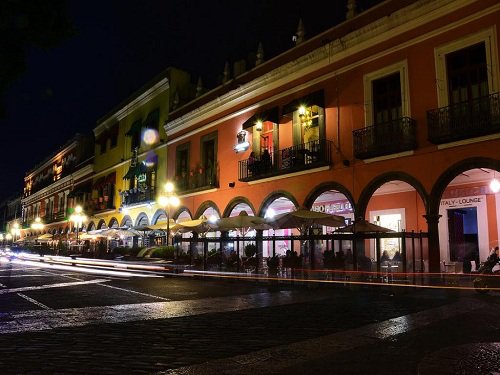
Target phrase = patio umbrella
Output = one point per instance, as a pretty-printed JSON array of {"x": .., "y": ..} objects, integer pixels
[
  {"x": 242, "y": 223},
  {"x": 119, "y": 232},
  {"x": 364, "y": 226},
  {"x": 44, "y": 237},
  {"x": 88, "y": 236},
  {"x": 361, "y": 225},
  {"x": 200, "y": 225},
  {"x": 303, "y": 219}
]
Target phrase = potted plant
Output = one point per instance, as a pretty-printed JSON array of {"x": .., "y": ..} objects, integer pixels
[{"x": 273, "y": 263}]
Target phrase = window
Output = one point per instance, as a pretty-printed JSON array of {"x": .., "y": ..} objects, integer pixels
[
  {"x": 387, "y": 94},
  {"x": 386, "y": 98},
  {"x": 102, "y": 146},
  {"x": 182, "y": 166},
  {"x": 209, "y": 157},
  {"x": 464, "y": 68},
  {"x": 467, "y": 74},
  {"x": 113, "y": 134}
]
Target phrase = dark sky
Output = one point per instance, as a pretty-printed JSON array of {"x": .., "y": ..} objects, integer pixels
[{"x": 120, "y": 45}]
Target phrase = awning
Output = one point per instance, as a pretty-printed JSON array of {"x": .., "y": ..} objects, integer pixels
[
  {"x": 134, "y": 171},
  {"x": 152, "y": 121},
  {"x": 135, "y": 128},
  {"x": 268, "y": 115},
  {"x": 316, "y": 98}
]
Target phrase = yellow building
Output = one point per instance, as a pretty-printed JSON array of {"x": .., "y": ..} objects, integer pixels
[{"x": 130, "y": 155}]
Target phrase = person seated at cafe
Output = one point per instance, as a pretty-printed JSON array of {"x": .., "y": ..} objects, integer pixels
[
  {"x": 384, "y": 257},
  {"x": 266, "y": 160},
  {"x": 397, "y": 257},
  {"x": 251, "y": 162}
]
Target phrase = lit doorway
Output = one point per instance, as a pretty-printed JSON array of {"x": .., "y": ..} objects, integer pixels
[{"x": 463, "y": 234}]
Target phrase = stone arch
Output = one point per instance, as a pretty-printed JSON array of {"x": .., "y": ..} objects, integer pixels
[
  {"x": 158, "y": 215},
  {"x": 372, "y": 186},
  {"x": 91, "y": 226},
  {"x": 203, "y": 207},
  {"x": 234, "y": 202},
  {"x": 272, "y": 197},
  {"x": 113, "y": 223},
  {"x": 179, "y": 211},
  {"x": 448, "y": 175},
  {"x": 126, "y": 221},
  {"x": 324, "y": 187},
  {"x": 101, "y": 224},
  {"x": 142, "y": 220}
]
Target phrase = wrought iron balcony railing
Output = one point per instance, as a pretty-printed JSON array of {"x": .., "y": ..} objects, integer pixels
[
  {"x": 138, "y": 196},
  {"x": 385, "y": 139},
  {"x": 464, "y": 120},
  {"x": 196, "y": 181},
  {"x": 296, "y": 158}
]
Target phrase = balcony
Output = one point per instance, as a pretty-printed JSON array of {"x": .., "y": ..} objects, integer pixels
[
  {"x": 385, "y": 139},
  {"x": 196, "y": 181},
  {"x": 464, "y": 120},
  {"x": 292, "y": 159},
  {"x": 138, "y": 196}
]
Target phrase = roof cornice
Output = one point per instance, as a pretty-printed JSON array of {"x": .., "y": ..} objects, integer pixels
[
  {"x": 158, "y": 88},
  {"x": 405, "y": 19}
]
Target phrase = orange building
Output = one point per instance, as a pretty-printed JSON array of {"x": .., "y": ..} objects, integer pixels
[{"x": 392, "y": 115}]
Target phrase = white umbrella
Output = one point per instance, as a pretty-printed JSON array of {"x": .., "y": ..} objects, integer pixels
[
  {"x": 303, "y": 219},
  {"x": 118, "y": 232},
  {"x": 242, "y": 223},
  {"x": 363, "y": 226},
  {"x": 200, "y": 225}
]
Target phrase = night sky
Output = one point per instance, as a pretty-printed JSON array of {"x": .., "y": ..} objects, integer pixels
[{"x": 120, "y": 45}]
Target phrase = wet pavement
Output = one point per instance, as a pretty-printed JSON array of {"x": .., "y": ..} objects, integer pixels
[{"x": 62, "y": 321}]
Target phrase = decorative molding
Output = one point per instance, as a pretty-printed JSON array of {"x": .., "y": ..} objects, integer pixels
[
  {"x": 406, "y": 19},
  {"x": 468, "y": 141},
  {"x": 388, "y": 157},
  {"x": 158, "y": 88},
  {"x": 289, "y": 175}
]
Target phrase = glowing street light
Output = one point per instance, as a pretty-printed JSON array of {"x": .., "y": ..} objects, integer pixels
[
  {"x": 15, "y": 231},
  {"x": 169, "y": 200},
  {"x": 37, "y": 224},
  {"x": 78, "y": 218}
]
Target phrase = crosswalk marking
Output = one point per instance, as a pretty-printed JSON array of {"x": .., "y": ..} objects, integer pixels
[
  {"x": 36, "y": 320},
  {"x": 49, "y": 286}
]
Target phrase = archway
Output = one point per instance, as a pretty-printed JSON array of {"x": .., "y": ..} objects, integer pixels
[
  {"x": 142, "y": 220},
  {"x": 469, "y": 212},
  {"x": 275, "y": 204},
  {"x": 113, "y": 223},
  {"x": 127, "y": 222},
  {"x": 396, "y": 201}
]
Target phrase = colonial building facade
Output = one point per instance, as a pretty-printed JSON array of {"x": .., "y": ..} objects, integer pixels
[
  {"x": 54, "y": 187},
  {"x": 392, "y": 115},
  {"x": 130, "y": 155}
]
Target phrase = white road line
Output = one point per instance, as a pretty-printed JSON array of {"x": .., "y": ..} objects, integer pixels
[
  {"x": 135, "y": 292},
  {"x": 48, "y": 286},
  {"x": 280, "y": 358},
  {"x": 34, "y": 301},
  {"x": 20, "y": 269},
  {"x": 29, "y": 275},
  {"x": 36, "y": 320}
]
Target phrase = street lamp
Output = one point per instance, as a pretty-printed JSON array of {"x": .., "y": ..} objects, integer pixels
[
  {"x": 8, "y": 237},
  {"x": 37, "y": 224},
  {"x": 169, "y": 199},
  {"x": 15, "y": 231},
  {"x": 78, "y": 218},
  {"x": 2, "y": 238}
]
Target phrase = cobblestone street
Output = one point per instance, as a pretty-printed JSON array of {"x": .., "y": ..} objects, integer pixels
[{"x": 68, "y": 322}]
